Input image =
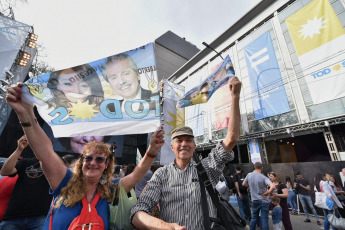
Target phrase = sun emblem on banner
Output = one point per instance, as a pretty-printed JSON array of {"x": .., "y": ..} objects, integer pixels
[
  {"x": 312, "y": 27},
  {"x": 336, "y": 67},
  {"x": 82, "y": 110},
  {"x": 178, "y": 119}
]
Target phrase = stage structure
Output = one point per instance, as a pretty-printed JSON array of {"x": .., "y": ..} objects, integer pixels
[{"x": 17, "y": 51}]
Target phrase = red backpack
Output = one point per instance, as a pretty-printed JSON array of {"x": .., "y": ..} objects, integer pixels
[{"x": 88, "y": 218}]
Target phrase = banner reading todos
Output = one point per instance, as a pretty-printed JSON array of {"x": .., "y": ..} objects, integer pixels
[{"x": 112, "y": 96}]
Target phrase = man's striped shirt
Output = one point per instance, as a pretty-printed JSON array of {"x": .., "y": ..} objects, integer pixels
[{"x": 178, "y": 191}]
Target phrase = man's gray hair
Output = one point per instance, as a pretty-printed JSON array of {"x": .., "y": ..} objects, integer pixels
[{"x": 116, "y": 58}]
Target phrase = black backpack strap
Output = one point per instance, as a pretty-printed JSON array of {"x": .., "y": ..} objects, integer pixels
[
  {"x": 215, "y": 199},
  {"x": 207, "y": 222},
  {"x": 208, "y": 185}
]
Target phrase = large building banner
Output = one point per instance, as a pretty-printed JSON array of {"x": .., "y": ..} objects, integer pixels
[
  {"x": 173, "y": 117},
  {"x": 220, "y": 105},
  {"x": 254, "y": 150},
  {"x": 319, "y": 39},
  {"x": 268, "y": 91},
  {"x": 112, "y": 96}
]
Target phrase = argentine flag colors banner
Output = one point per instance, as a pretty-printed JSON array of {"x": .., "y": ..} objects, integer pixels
[
  {"x": 268, "y": 91},
  {"x": 319, "y": 39},
  {"x": 173, "y": 117},
  {"x": 116, "y": 95}
]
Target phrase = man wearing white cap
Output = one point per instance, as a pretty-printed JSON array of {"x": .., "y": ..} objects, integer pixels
[{"x": 176, "y": 186}]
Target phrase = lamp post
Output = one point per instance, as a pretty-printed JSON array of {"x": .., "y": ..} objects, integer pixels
[{"x": 208, "y": 46}]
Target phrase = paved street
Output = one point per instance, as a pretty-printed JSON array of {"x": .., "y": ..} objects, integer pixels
[{"x": 298, "y": 222}]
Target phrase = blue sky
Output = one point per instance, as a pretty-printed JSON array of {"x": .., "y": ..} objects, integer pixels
[{"x": 74, "y": 32}]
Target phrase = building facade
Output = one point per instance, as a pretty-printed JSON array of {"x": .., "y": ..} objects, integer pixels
[{"x": 312, "y": 125}]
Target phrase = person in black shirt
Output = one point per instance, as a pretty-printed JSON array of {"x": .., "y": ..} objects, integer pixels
[
  {"x": 242, "y": 194},
  {"x": 282, "y": 192},
  {"x": 30, "y": 199},
  {"x": 303, "y": 187},
  {"x": 113, "y": 148}
]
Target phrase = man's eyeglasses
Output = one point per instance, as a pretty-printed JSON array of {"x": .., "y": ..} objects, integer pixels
[{"x": 98, "y": 159}]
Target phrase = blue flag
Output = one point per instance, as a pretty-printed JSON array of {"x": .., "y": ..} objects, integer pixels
[{"x": 268, "y": 92}]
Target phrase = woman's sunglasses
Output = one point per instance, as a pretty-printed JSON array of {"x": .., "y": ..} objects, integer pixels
[{"x": 98, "y": 159}]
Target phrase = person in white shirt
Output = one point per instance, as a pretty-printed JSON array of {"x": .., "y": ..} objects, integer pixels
[{"x": 322, "y": 186}]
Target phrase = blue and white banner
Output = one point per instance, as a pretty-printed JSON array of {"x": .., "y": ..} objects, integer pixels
[
  {"x": 116, "y": 95},
  {"x": 268, "y": 92},
  {"x": 202, "y": 93},
  {"x": 254, "y": 150},
  {"x": 173, "y": 117}
]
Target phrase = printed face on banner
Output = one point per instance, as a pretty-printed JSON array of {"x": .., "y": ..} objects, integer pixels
[
  {"x": 123, "y": 78},
  {"x": 112, "y": 96},
  {"x": 73, "y": 90},
  {"x": 77, "y": 143}
]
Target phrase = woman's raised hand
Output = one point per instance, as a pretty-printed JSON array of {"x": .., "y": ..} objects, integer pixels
[{"x": 14, "y": 99}]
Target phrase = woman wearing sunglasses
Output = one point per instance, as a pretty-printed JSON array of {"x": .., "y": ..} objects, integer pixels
[
  {"x": 92, "y": 173},
  {"x": 282, "y": 192}
]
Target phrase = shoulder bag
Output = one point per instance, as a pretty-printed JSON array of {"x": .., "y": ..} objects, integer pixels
[
  {"x": 336, "y": 222},
  {"x": 227, "y": 217},
  {"x": 322, "y": 200},
  {"x": 120, "y": 209}
]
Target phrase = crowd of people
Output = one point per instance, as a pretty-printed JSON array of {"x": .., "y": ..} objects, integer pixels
[
  {"x": 270, "y": 195},
  {"x": 50, "y": 192}
]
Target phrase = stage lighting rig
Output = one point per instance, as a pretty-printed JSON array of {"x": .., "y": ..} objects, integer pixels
[
  {"x": 25, "y": 55},
  {"x": 2, "y": 89},
  {"x": 9, "y": 75},
  {"x": 22, "y": 62},
  {"x": 33, "y": 36},
  {"x": 31, "y": 44},
  {"x": 4, "y": 82}
]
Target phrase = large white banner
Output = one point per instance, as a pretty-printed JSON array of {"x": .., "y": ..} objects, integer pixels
[
  {"x": 173, "y": 117},
  {"x": 116, "y": 95},
  {"x": 319, "y": 39}
]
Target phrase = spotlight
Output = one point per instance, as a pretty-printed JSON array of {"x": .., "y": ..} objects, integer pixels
[
  {"x": 4, "y": 82},
  {"x": 22, "y": 62},
  {"x": 293, "y": 143},
  {"x": 32, "y": 44},
  {"x": 26, "y": 55},
  {"x": 2, "y": 89},
  {"x": 9, "y": 74},
  {"x": 262, "y": 135},
  {"x": 33, "y": 36},
  {"x": 327, "y": 123},
  {"x": 288, "y": 130}
]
